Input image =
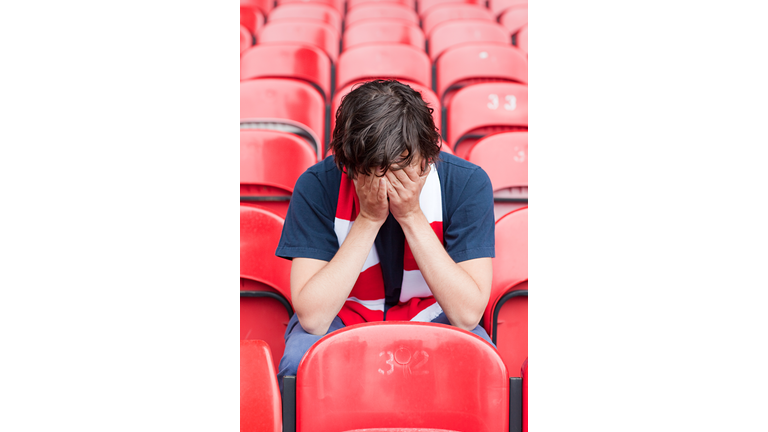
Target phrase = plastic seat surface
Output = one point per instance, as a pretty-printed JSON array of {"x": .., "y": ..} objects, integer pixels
[
  {"x": 352, "y": 4},
  {"x": 504, "y": 157},
  {"x": 392, "y": 60},
  {"x": 270, "y": 103},
  {"x": 336, "y": 4},
  {"x": 383, "y": 31},
  {"x": 497, "y": 7},
  {"x": 452, "y": 33},
  {"x": 426, "y": 6},
  {"x": 521, "y": 39},
  {"x": 272, "y": 158},
  {"x": 305, "y": 31},
  {"x": 514, "y": 19},
  {"x": 378, "y": 10},
  {"x": 318, "y": 11},
  {"x": 402, "y": 375},
  {"x": 260, "y": 406},
  {"x": 426, "y": 93},
  {"x": 288, "y": 60},
  {"x": 482, "y": 109},
  {"x": 453, "y": 11},
  {"x": 479, "y": 62},
  {"x": 246, "y": 40},
  {"x": 252, "y": 13}
]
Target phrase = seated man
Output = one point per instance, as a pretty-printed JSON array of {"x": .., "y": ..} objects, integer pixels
[{"x": 389, "y": 228}]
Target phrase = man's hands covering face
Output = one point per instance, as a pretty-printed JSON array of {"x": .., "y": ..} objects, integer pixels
[
  {"x": 372, "y": 192},
  {"x": 403, "y": 189}
]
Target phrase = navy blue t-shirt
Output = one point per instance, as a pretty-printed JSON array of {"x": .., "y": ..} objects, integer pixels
[{"x": 468, "y": 220}]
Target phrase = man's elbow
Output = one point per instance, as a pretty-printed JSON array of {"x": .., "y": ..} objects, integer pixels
[
  {"x": 467, "y": 320},
  {"x": 313, "y": 324}
]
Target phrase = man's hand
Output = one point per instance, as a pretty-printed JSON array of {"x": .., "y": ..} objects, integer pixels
[
  {"x": 403, "y": 188},
  {"x": 372, "y": 192}
]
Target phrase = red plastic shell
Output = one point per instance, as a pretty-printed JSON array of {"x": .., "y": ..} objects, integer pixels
[
  {"x": 260, "y": 232},
  {"x": 352, "y": 4},
  {"x": 402, "y": 375},
  {"x": 514, "y": 19},
  {"x": 260, "y": 407},
  {"x": 272, "y": 158},
  {"x": 453, "y": 33},
  {"x": 317, "y": 11},
  {"x": 304, "y": 31},
  {"x": 336, "y": 4},
  {"x": 497, "y": 7},
  {"x": 451, "y": 12},
  {"x": 383, "y": 31},
  {"x": 376, "y": 11},
  {"x": 522, "y": 39},
  {"x": 426, "y": 6},
  {"x": 252, "y": 13},
  {"x": 504, "y": 157},
  {"x": 246, "y": 40},
  {"x": 390, "y": 60}
]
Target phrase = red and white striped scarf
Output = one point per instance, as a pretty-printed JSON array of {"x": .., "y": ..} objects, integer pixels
[{"x": 366, "y": 301}]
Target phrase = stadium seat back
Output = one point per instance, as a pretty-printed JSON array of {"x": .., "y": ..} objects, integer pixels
[
  {"x": 378, "y": 10},
  {"x": 497, "y": 7},
  {"x": 272, "y": 158},
  {"x": 260, "y": 406},
  {"x": 288, "y": 60},
  {"x": 452, "y": 33},
  {"x": 354, "y": 4},
  {"x": 284, "y": 104},
  {"x": 252, "y": 13},
  {"x": 504, "y": 157},
  {"x": 246, "y": 40},
  {"x": 317, "y": 11},
  {"x": 514, "y": 19},
  {"x": 383, "y": 31},
  {"x": 391, "y": 60},
  {"x": 521, "y": 39},
  {"x": 305, "y": 31},
  {"x": 402, "y": 374},
  {"x": 451, "y": 12},
  {"x": 336, "y": 4},
  {"x": 426, "y": 6}
]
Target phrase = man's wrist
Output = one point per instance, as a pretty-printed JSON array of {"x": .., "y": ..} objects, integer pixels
[{"x": 413, "y": 220}]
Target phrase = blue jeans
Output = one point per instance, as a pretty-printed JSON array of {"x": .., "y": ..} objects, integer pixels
[{"x": 298, "y": 342}]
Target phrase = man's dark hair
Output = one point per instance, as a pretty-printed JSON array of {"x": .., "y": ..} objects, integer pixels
[{"x": 377, "y": 122}]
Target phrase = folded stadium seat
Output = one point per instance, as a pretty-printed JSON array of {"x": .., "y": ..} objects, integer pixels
[
  {"x": 525, "y": 396},
  {"x": 521, "y": 39},
  {"x": 317, "y": 11},
  {"x": 352, "y": 4},
  {"x": 246, "y": 40},
  {"x": 473, "y": 63},
  {"x": 426, "y": 93},
  {"x": 452, "y": 33},
  {"x": 425, "y": 6},
  {"x": 378, "y": 10},
  {"x": 383, "y": 31},
  {"x": 260, "y": 405},
  {"x": 453, "y": 11},
  {"x": 483, "y": 109},
  {"x": 270, "y": 164},
  {"x": 288, "y": 60},
  {"x": 265, "y": 284},
  {"x": 498, "y": 7},
  {"x": 514, "y": 18},
  {"x": 506, "y": 316},
  {"x": 504, "y": 157},
  {"x": 284, "y": 104},
  {"x": 305, "y": 31},
  {"x": 252, "y": 13},
  {"x": 402, "y": 375},
  {"x": 391, "y": 60},
  {"x": 336, "y": 4}
]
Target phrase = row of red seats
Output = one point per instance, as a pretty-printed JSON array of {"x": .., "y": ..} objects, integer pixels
[{"x": 428, "y": 372}]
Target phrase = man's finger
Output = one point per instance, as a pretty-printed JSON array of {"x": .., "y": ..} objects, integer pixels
[
  {"x": 382, "y": 189},
  {"x": 402, "y": 177},
  {"x": 412, "y": 172}
]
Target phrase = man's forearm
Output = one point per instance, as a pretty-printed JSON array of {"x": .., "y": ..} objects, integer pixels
[
  {"x": 458, "y": 294},
  {"x": 322, "y": 297}
]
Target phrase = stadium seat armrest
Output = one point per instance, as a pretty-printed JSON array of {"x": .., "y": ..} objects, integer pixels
[
  {"x": 515, "y": 405},
  {"x": 289, "y": 404}
]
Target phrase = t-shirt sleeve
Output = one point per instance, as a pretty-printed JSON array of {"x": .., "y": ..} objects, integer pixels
[
  {"x": 308, "y": 229},
  {"x": 469, "y": 233}
]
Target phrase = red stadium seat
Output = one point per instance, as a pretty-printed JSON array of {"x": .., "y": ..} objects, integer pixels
[
  {"x": 336, "y": 4},
  {"x": 352, "y": 4},
  {"x": 525, "y": 396},
  {"x": 483, "y": 109},
  {"x": 504, "y": 157},
  {"x": 402, "y": 375},
  {"x": 265, "y": 286},
  {"x": 378, "y": 10},
  {"x": 317, "y": 11},
  {"x": 521, "y": 39},
  {"x": 453, "y": 11},
  {"x": 426, "y": 6},
  {"x": 288, "y": 60},
  {"x": 453, "y": 33},
  {"x": 506, "y": 316},
  {"x": 284, "y": 104},
  {"x": 474, "y": 63},
  {"x": 383, "y": 31},
  {"x": 305, "y": 31},
  {"x": 497, "y": 7},
  {"x": 390, "y": 60},
  {"x": 246, "y": 39},
  {"x": 270, "y": 164},
  {"x": 514, "y": 19},
  {"x": 252, "y": 13},
  {"x": 260, "y": 406},
  {"x": 426, "y": 93}
]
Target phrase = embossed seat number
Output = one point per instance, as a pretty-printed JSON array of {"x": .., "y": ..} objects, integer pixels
[{"x": 403, "y": 359}]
